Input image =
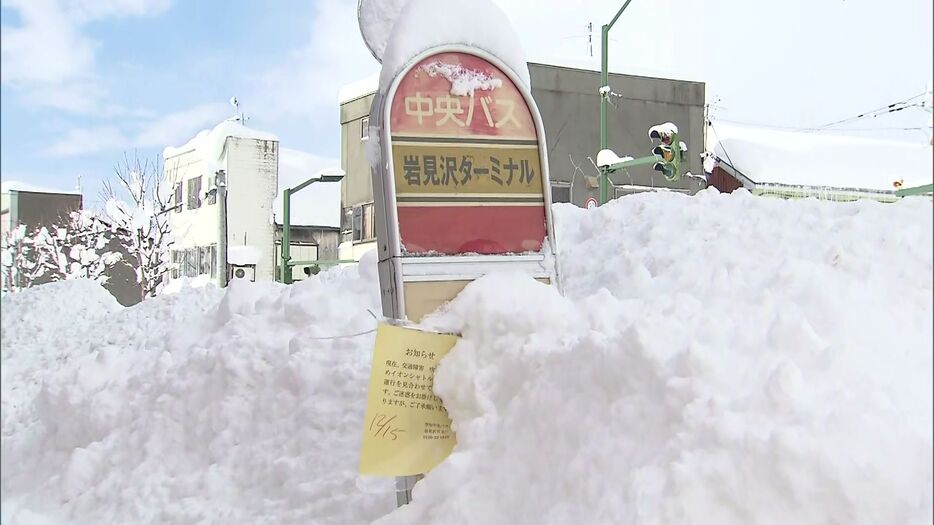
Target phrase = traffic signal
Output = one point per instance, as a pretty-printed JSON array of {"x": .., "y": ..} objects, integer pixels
[{"x": 670, "y": 152}]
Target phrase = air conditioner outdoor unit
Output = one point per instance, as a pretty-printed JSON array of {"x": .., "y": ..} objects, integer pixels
[{"x": 242, "y": 272}]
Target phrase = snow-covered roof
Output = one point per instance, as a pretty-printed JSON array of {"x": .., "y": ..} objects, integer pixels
[
  {"x": 316, "y": 205},
  {"x": 243, "y": 255},
  {"x": 8, "y": 185},
  {"x": 816, "y": 159},
  {"x": 359, "y": 88},
  {"x": 212, "y": 140}
]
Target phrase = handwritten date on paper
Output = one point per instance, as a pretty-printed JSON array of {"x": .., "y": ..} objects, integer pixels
[{"x": 381, "y": 426}]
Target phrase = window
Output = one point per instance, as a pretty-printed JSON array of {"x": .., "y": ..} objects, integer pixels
[
  {"x": 176, "y": 259},
  {"x": 364, "y": 222},
  {"x": 194, "y": 193},
  {"x": 358, "y": 223},
  {"x": 208, "y": 260},
  {"x": 560, "y": 192},
  {"x": 365, "y": 128},
  {"x": 369, "y": 222},
  {"x": 190, "y": 262},
  {"x": 178, "y": 198},
  {"x": 212, "y": 197}
]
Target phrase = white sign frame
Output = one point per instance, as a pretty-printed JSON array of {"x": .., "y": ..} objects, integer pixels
[{"x": 397, "y": 268}]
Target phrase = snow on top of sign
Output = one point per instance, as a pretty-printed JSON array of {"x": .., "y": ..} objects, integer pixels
[
  {"x": 242, "y": 255},
  {"x": 811, "y": 159},
  {"x": 608, "y": 157},
  {"x": 12, "y": 185},
  {"x": 360, "y": 88},
  {"x": 212, "y": 140},
  {"x": 483, "y": 25},
  {"x": 377, "y": 17},
  {"x": 316, "y": 205},
  {"x": 463, "y": 81}
]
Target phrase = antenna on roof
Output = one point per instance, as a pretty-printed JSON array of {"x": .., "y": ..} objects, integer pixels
[{"x": 238, "y": 115}]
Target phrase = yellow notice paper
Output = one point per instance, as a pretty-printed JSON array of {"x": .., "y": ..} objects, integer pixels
[{"x": 406, "y": 430}]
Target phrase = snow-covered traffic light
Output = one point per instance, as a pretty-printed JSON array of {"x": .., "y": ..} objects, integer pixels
[{"x": 670, "y": 151}]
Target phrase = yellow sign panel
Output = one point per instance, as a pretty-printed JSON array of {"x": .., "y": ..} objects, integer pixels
[
  {"x": 406, "y": 430},
  {"x": 426, "y": 168}
]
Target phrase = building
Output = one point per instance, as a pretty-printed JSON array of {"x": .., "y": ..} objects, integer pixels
[
  {"x": 569, "y": 102},
  {"x": 250, "y": 161},
  {"x": 831, "y": 167},
  {"x": 36, "y": 207}
]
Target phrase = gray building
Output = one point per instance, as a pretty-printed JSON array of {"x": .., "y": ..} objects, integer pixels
[
  {"x": 35, "y": 207},
  {"x": 308, "y": 243},
  {"x": 569, "y": 102}
]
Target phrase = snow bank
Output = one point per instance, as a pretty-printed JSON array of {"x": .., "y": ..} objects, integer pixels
[
  {"x": 478, "y": 23},
  {"x": 717, "y": 359},
  {"x": 196, "y": 407}
]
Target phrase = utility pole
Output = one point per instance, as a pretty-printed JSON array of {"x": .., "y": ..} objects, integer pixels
[
  {"x": 220, "y": 185},
  {"x": 604, "y": 94},
  {"x": 285, "y": 271},
  {"x": 590, "y": 39}
]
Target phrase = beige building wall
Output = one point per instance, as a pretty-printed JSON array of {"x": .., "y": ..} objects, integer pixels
[{"x": 252, "y": 177}]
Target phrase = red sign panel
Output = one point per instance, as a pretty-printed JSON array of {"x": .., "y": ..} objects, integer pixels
[{"x": 466, "y": 161}]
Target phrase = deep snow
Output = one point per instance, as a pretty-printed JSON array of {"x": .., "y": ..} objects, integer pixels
[{"x": 715, "y": 359}]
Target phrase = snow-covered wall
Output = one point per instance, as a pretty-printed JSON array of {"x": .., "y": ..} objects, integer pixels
[
  {"x": 251, "y": 161},
  {"x": 252, "y": 175}
]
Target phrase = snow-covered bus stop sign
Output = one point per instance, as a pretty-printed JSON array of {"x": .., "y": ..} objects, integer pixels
[{"x": 464, "y": 179}]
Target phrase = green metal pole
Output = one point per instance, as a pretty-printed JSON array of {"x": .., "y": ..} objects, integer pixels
[
  {"x": 285, "y": 274},
  {"x": 605, "y": 81}
]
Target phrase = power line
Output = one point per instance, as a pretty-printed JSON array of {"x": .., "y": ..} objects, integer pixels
[
  {"x": 818, "y": 130},
  {"x": 890, "y": 108}
]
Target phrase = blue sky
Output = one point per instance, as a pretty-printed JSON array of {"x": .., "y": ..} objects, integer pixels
[{"x": 83, "y": 81}]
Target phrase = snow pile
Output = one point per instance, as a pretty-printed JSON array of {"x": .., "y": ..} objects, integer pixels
[
  {"x": 36, "y": 321},
  {"x": 463, "y": 81},
  {"x": 717, "y": 359},
  {"x": 197, "y": 407},
  {"x": 478, "y": 23}
]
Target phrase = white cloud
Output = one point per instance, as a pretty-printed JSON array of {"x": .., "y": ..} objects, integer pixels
[
  {"x": 169, "y": 129},
  {"x": 306, "y": 83},
  {"x": 176, "y": 128},
  {"x": 46, "y": 49},
  {"x": 49, "y": 58},
  {"x": 84, "y": 141}
]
